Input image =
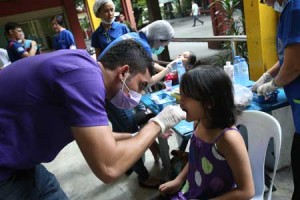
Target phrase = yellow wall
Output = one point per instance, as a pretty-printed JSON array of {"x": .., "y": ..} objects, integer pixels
[
  {"x": 95, "y": 22},
  {"x": 261, "y": 23}
]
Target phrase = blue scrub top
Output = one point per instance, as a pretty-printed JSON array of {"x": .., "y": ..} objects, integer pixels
[
  {"x": 63, "y": 40},
  {"x": 15, "y": 50},
  {"x": 101, "y": 38},
  {"x": 139, "y": 37},
  {"x": 288, "y": 32}
]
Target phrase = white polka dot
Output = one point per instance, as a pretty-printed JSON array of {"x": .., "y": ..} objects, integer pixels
[
  {"x": 216, "y": 154},
  {"x": 198, "y": 178}
]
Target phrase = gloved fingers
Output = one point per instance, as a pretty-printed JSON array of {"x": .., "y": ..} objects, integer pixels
[
  {"x": 174, "y": 111},
  {"x": 266, "y": 77},
  {"x": 172, "y": 65},
  {"x": 266, "y": 89}
]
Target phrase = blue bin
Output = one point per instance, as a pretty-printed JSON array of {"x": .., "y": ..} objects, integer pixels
[
  {"x": 271, "y": 97},
  {"x": 164, "y": 100}
]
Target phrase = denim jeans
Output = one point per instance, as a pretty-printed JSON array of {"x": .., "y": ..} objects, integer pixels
[{"x": 33, "y": 184}]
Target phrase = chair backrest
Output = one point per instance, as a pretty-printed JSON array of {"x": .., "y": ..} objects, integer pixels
[{"x": 261, "y": 127}]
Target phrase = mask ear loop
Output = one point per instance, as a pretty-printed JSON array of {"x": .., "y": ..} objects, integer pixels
[{"x": 124, "y": 84}]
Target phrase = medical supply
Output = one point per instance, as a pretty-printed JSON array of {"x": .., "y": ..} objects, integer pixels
[{"x": 229, "y": 69}]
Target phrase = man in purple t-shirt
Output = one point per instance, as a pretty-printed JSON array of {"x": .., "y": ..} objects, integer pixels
[{"x": 49, "y": 100}]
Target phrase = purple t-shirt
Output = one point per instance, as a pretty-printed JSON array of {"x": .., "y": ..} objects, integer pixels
[{"x": 40, "y": 98}]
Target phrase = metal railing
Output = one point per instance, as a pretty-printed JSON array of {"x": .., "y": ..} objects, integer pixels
[{"x": 230, "y": 38}]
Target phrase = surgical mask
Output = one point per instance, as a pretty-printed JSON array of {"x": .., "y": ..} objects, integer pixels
[
  {"x": 123, "y": 101},
  {"x": 157, "y": 51},
  {"x": 108, "y": 22}
]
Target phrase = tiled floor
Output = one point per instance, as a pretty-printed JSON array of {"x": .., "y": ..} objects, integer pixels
[{"x": 80, "y": 183}]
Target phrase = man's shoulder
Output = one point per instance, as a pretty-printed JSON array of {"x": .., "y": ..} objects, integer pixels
[{"x": 15, "y": 46}]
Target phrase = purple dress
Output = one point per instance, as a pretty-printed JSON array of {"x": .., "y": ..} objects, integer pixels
[{"x": 209, "y": 174}]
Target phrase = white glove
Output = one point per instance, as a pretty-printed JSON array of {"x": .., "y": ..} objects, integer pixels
[
  {"x": 172, "y": 65},
  {"x": 266, "y": 77},
  {"x": 267, "y": 88},
  {"x": 169, "y": 117}
]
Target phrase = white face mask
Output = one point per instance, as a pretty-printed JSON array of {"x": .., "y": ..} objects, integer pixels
[
  {"x": 277, "y": 7},
  {"x": 108, "y": 22}
]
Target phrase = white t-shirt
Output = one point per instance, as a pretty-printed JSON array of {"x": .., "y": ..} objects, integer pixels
[
  {"x": 195, "y": 9},
  {"x": 4, "y": 59}
]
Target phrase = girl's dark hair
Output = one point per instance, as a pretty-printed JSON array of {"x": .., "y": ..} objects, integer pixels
[
  {"x": 191, "y": 60},
  {"x": 213, "y": 88},
  {"x": 127, "y": 52}
]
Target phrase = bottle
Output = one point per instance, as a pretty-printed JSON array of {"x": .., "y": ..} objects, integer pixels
[
  {"x": 244, "y": 72},
  {"x": 180, "y": 69},
  {"x": 228, "y": 68},
  {"x": 236, "y": 65}
]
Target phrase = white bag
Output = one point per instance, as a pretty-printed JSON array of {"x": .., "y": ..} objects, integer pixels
[{"x": 242, "y": 96}]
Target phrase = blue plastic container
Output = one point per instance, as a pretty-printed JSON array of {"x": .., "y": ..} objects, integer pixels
[
  {"x": 162, "y": 100},
  {"x": 272, "y": 97}
]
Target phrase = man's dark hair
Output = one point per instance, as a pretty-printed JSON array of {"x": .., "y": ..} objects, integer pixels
[
  {"x": 11, "y": 26},
  {"x": 59, "y": 19},
  {"x": 127, "y": 52}
]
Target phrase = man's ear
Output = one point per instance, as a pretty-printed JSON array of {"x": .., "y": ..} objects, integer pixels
[{"x": 124, "y": 71}]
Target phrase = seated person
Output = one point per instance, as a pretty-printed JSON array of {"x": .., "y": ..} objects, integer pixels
[
  {"x": 188, "y": 60},
  {"x": 218, "y": 164},
  {"x": 15, "y": 50},
  {"x": 26, "y": 43},
  {"x": 129, "y": 120}
]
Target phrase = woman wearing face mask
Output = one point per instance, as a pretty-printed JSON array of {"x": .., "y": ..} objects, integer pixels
[
  {"x": 286, "y": 72},
  {"x": 153, "y": 37},
  {"x": 108, "y": 30}
]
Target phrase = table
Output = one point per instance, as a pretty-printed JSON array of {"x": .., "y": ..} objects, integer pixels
[{"x": 184, "y": 129}]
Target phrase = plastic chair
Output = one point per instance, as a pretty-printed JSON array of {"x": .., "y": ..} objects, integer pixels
[{"x": 261, "y": 128}]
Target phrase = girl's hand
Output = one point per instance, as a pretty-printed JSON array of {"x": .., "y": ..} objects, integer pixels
[
  {"x": 170, "y": 187},
  {"x": 166, "y": 134}
]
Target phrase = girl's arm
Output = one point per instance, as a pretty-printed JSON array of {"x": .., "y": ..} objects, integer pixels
[
  {"x": 232, "y": 146},
  {"x": 174, "y": 186}
]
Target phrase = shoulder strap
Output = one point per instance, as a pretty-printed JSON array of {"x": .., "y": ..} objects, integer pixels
[{"x": 224, "y": 131}]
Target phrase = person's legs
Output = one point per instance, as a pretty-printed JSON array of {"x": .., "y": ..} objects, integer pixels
[
  {"x": 33, "y": 184},
  {"x": 141, "y": 170},
  {"x": 195, "y": 18},
  {"x": 202, "y": 22},
  {"x": 296, "y": 166}
]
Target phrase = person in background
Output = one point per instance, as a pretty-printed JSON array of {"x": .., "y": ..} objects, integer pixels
[
  {"x": 122, "y": 20},
  {"x": 286, "y": 72},
  {"x": 188, "y": 60},
  {"x": 26, "y": 43},
  {"x": 13, "y": 32},
  {"x": 153, "y": 37},
  {"x": 4, "y": 59},
  {"x": 108, "y": 29},
  {"x": 63, "y": 38},
  {"x": 60, "y": 97},
  {"x": 196, "y": 13},
  {"x": 218, "y": 164}
]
